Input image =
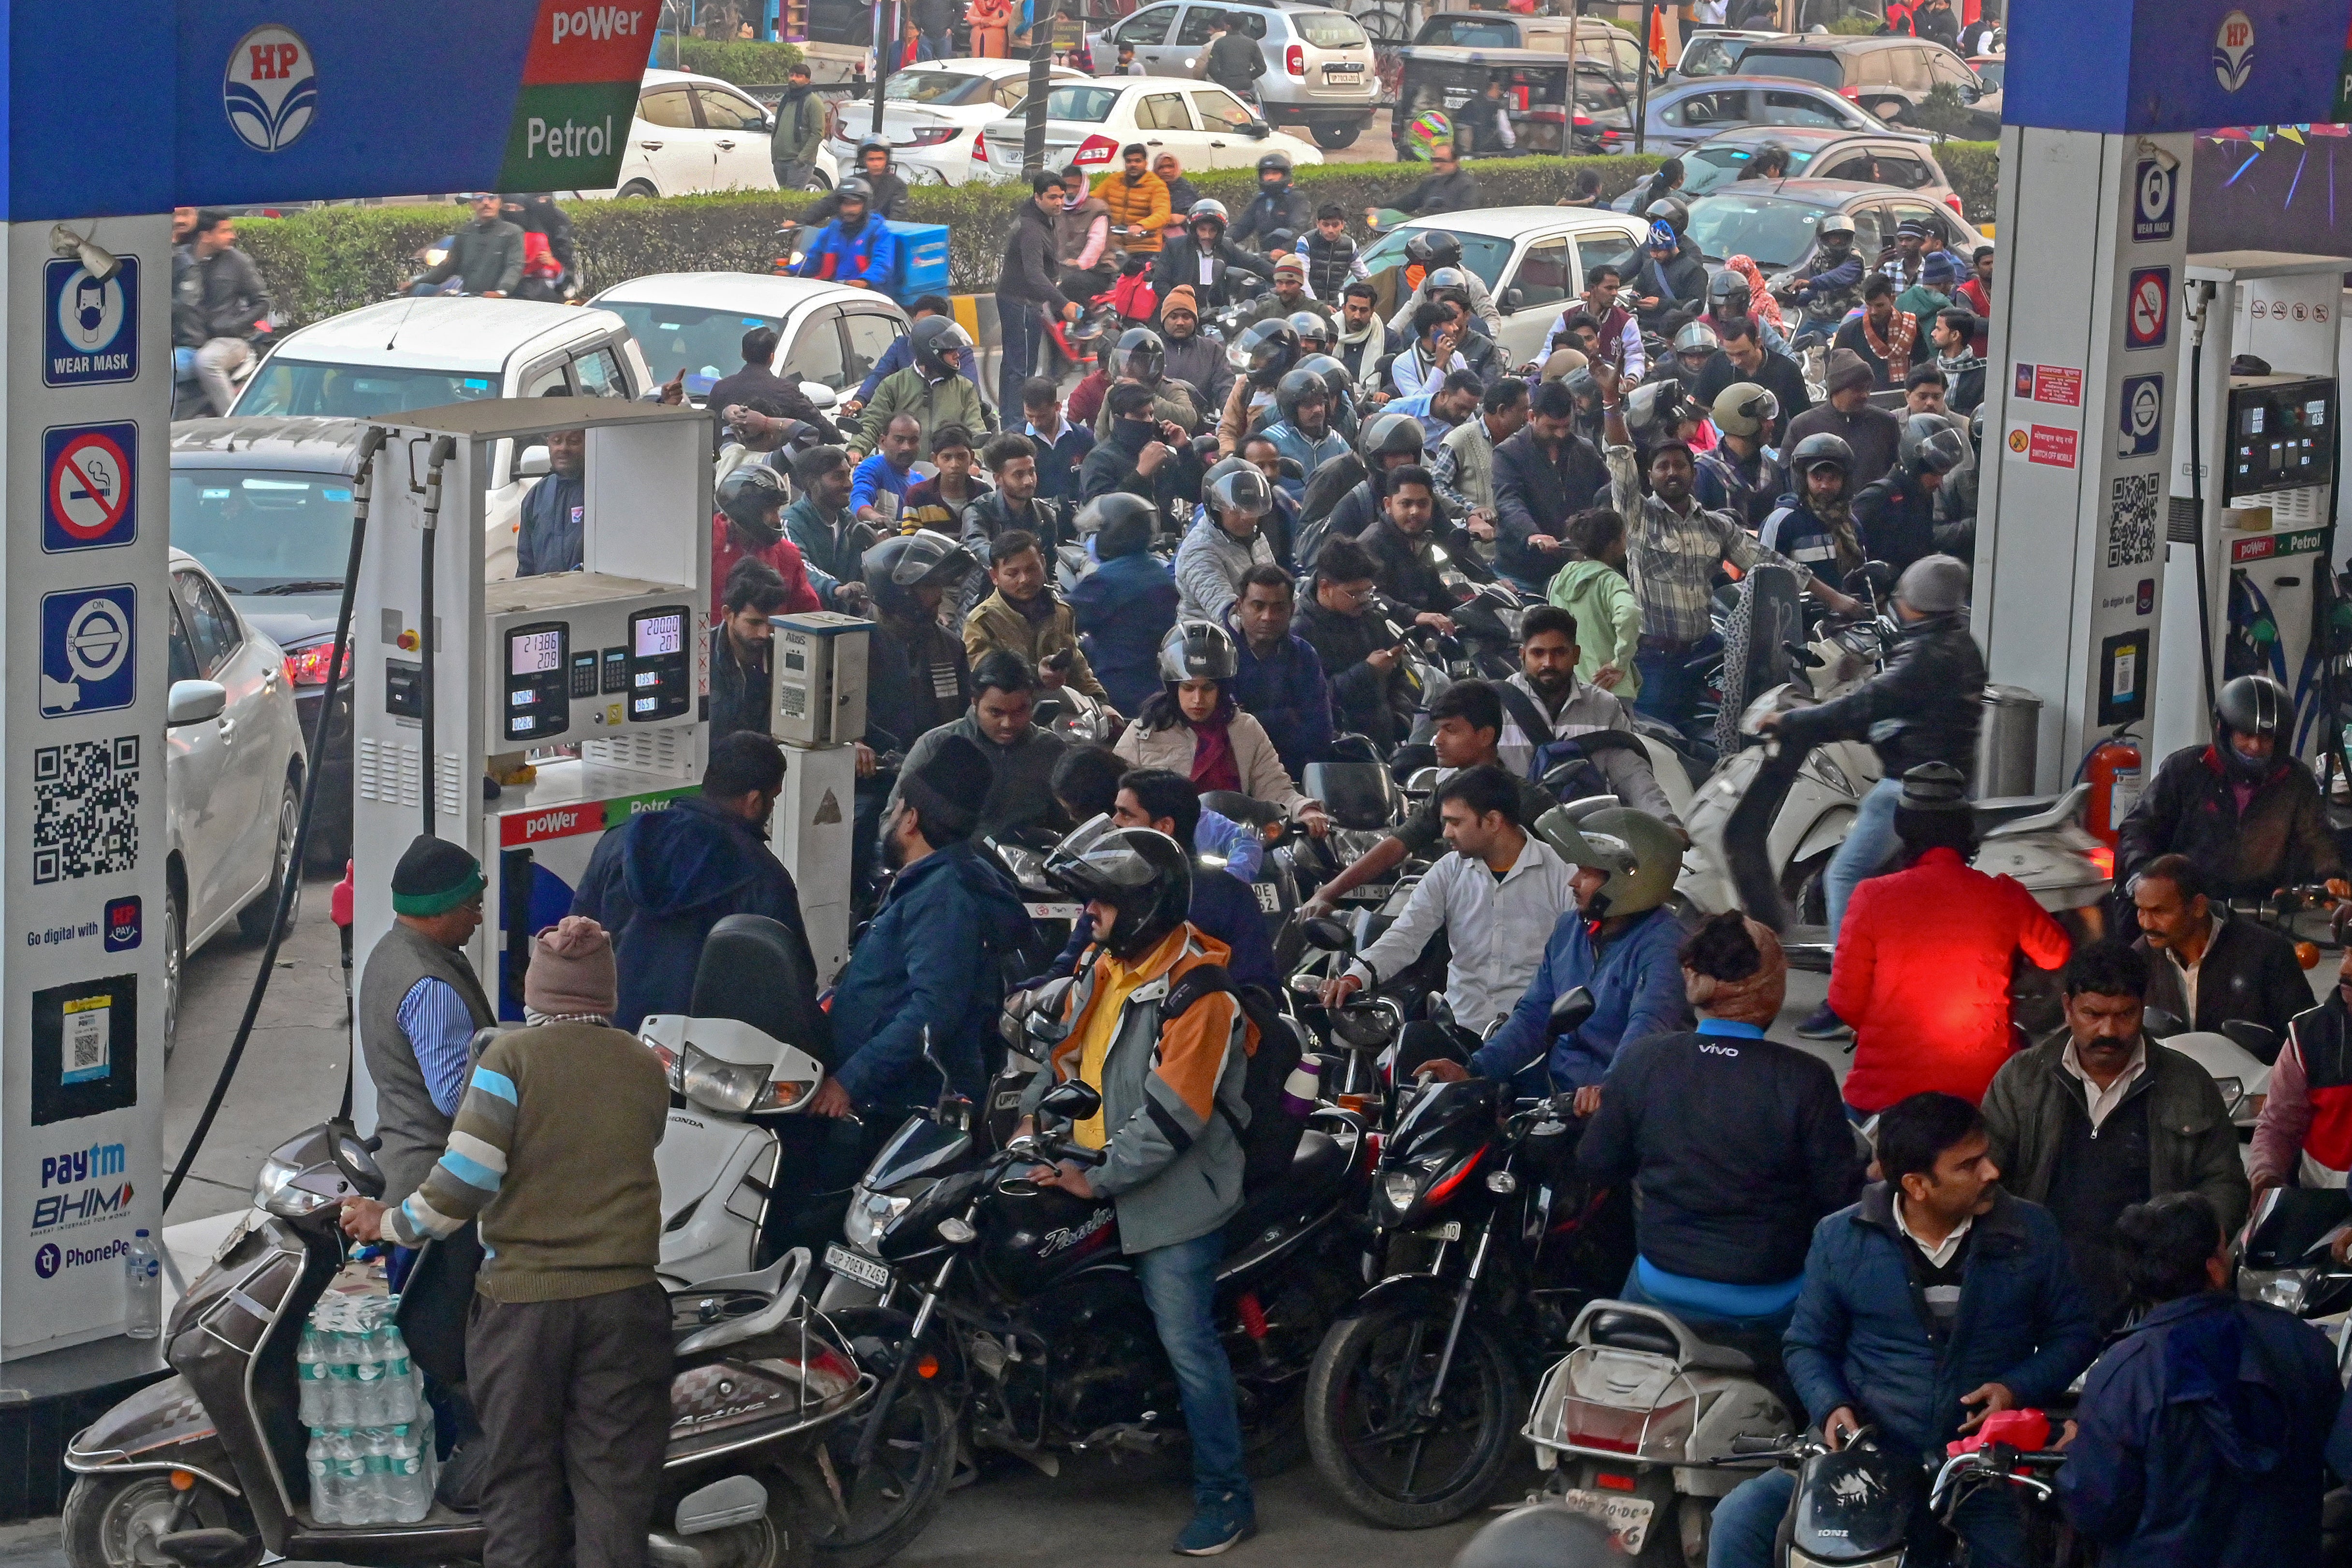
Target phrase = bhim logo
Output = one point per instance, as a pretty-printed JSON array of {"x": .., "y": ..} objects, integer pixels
[{"x": 2234, "y": 51}]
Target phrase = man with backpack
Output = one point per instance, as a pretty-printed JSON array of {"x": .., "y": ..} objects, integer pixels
[
  {"x": 1156, "y": 1028},
  {"x": 1546, "y": 708}
]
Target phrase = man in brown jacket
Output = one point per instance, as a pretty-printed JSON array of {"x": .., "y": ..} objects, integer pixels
[
  {"x": 1138, "y": 200},
  {"x": 1025, "y": 616},
  {"x": 568, "y": 1343}
]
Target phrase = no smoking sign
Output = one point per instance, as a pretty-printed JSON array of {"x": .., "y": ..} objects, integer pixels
[
  {"x": 2148, "y": 308},
  {"x": 89, "y": 498}
]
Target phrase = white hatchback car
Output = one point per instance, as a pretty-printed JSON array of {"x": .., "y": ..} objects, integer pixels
[
  {"x": 1088, "y": 122},
  {"x": 829, "y": 335},
  {"x": 931, "y": 114},
  {"x": 695, "y": 134},
  {"x": 232, "y": 775},
  {"x": 1533, "y": 259}
]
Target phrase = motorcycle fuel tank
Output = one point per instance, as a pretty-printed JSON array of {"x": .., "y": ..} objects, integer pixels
[{"x": 1028, "y": 1242}]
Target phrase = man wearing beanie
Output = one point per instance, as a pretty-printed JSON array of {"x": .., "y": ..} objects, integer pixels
[
  {"x": 419, "y": 1005},
  {"x": 661, "y": 880},
  {"x": 1195, "y": 355},
  {"x": 1737, "y": 1144},
  {"x": 568, "y": 1343},
  {"x": 1874, "y": 435}
]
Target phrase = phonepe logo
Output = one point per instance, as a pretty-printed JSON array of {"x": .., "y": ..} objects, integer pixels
[{"x": 49, "y": 1258}]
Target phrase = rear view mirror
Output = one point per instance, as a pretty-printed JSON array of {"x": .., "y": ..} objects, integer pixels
[
  {"x": 2159, "y": 1023},
  {"x": 2257, "y": 1040},
  {"x": 824, "y": 397},
  {"x": 1569, "y": 1013},
  {"x": 356, "y": 1161},
  {"x": 1259, "y": 130},
  {"x": 193, "y": 702},
  {"x": 534, "y": 462},
  {"x": 1513, "y": 299},
  {"x": 1071, "y": 1101},
  {"x": 1871, "y": 576}
]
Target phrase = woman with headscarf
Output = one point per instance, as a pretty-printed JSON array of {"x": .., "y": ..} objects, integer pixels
[
  {"x": 1738, "y": 1145},
  {"x": 1760, "y": 303},
  {"x": 1192, "y": 727}
]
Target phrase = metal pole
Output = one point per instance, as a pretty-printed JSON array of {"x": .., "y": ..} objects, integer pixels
[
  {"x": 887, "y": 27},
  {"x": 1041, "y": 70},
  {"x": 1642, "y": 79}
]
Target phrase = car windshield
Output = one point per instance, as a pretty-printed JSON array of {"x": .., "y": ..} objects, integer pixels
[
  {"x": 298, "y": 386},
  {"x": 1800, "y": 65},
  {"x": 1461, "y": 33},
  {"x": 1482, "y": 253},
  {"x": 259, "y": 531},
  {"x": 1775, "y": 231},
  {"x": 708, "y": 343},
  {"x": 1991, "y": 72},
  {"x": 935, "y": 87},
  {"x": 1082, "y": 105},
  {"x": 1329, "y": 29},
  {"x": 1710, "y": 168}
]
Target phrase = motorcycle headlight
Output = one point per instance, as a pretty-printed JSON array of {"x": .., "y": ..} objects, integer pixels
[
  {"x": 2285, "y": 1288},
  {"x": 1399, "y": 1188},
  {"x": 282, "y": 1190},
  {"x": 870, "y": 1213},
  {"x": 721, "y": 1086}
]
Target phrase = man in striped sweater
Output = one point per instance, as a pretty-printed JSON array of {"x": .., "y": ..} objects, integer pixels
[{"x": 568, "y": 1343}]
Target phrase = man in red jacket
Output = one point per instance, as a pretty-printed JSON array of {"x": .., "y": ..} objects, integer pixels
[{"x": 1923, "y": 963}]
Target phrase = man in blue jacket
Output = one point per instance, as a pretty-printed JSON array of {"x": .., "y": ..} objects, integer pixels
[
  {"x": 1933, "y": 1302},
  {"x": 2202, "y": 1430},
  {"x": 1619, "y": 941},
  {"x": 1126, "y": 604},
  {"x": 1279, "y": 681},
  {"x": 660, "y": 881}
]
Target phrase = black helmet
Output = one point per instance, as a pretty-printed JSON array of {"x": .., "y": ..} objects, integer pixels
[
  {"x": 1727, "y": 294},
  {"x": 898, "y": 566},
  {"x": 748, "y": 495},
  {"x": 1391, "y": 436},
  {"x": 1814, "y": 450},
  {"x": 1144, "y": 875},
  {"x": 1207, "y": 207},
  {"x": 933, "y": 339},
  {"x": 1671, "y": 211},
  {"x": 2252, "y": 705},
  {"x": 1264, "y": 352},
  {"x": 1234, "y": 486},
  {"x": 1200, "y": 650},
  {"x": 1297, "y": 385},
  {"x": 1309, "y": 326},
  {"x": 1433, "y": 248},
  {"x": 1142, "y": 354},
  {"x": 1274, "y": 163},
  {"x": 857, "y": 188},
  {"x": 1113, "y": 507},
  {"x": 1337, "y": 380},
  {"x": 1542, "y": 1533},
  {"x": 1930, "y": 444}
]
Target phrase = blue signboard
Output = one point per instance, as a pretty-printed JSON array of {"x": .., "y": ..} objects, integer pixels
[{"x": 2144, "y": 66}]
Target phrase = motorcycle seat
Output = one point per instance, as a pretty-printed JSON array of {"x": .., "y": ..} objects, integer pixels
[{"x": 1317, "y": 1171}]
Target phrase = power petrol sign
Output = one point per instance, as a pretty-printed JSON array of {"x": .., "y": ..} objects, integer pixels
[{"x": 579, "y": 92}]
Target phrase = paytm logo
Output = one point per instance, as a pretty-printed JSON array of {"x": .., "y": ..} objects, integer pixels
[{"x": 82, "y": 1165}]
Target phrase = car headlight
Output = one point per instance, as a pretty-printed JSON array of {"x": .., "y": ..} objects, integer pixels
[
  {"x": 2285, "y": 1288},
  {"x": 870, "y": 1213},
  {"x": 1399, "y": 1188}
]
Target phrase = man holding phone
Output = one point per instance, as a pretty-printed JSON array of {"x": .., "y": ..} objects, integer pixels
[
  {"x": 1140, "y": 455},
  {"x": 1025, "y": 616}
]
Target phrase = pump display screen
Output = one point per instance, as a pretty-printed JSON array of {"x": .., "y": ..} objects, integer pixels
[
  {"x": 534, "y": 653},
  {"x": 2282, "y": 437},
  {"x": 658, "y": 634}
]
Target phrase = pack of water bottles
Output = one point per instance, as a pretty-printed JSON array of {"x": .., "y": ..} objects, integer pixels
[{"x": 370, "y": 1455}]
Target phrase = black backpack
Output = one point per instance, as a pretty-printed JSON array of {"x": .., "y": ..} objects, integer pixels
[{"x": 1270, "y": 1140}]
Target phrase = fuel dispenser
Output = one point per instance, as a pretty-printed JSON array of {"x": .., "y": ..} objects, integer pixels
[
  {"x": 819, "y": 711},
  {"x": 550, "y": 708},
  {"x": 2252, "y": 504}
]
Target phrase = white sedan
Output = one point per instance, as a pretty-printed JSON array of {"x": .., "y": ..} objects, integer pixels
[
  {"x": 693, "y": 134},
  {"x": 931, "y": 114},
  {"x": 1086, "y": 124}
]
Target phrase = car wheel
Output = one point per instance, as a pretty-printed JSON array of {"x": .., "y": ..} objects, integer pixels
[
  {"x": 256, "y": 919},
  {"x": 175, "y": 960},
  {"x": 1331, "y": 138},
  {"x": 638, "y": 188}
]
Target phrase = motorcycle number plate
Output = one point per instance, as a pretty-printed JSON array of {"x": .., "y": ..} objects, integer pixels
[
  {"x": 1450, "y": 1231},
  {"x": 1269, "y": 897},
  {"x": 1628, "y": 1518},
  {"x": 857, "y": 1267}
]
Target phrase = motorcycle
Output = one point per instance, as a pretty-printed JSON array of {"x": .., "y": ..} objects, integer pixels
[
  {"x": 189, "y": 398},
  {"x": 2238, "y": 1055},
  {"x": 1005, "y": 1311},
  {"x": 208, "y": 1468},
  {"x": 1416, "y": 1393},
  {"x": 2288, "y": 1260},
  {"x": 1644, "y": 1408}
]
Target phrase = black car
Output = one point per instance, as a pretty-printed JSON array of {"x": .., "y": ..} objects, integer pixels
[
  {"x": 266, "y": 504},
  {"x": 1891, "y": 77}
]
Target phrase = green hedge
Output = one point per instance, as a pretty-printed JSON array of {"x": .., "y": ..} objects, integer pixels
[
  {"x": 331, "y": 259},
  {"x": 744, "y": 63},
  {"x": 1974, "y": 169}
]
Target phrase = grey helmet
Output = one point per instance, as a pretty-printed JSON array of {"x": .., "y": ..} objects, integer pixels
[
  {"x": 1444, "y": 278},
  {"x": 856, "y": 188},
  {"x": 1199, "y": 650},
  {"x": 1930, "y": 444},
  {"x": 1696, "y": 338},
  {"x": 1236, "y": 487},
  {"x": 1391, "y": 436},
  {"x": 1727, "y": 294},
  {"x": 895, "y": 567},
  {"x": 1311, "y": 328},
  {"x": 1834, "y": 224},
  {"x": 1207, "y": 207},
  {"x": 1337, "y": 380}
]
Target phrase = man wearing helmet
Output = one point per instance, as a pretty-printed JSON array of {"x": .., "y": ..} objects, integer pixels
[
  {"x": 1813, "y": 525},
  {"x": 750, "y": 525},
  {"x": 1262, "y": 354},
  {"x": 1200, "y": 257},
  {"x": 1696, "y": 346},
  {"x": 917, "y": 675},
  {"x": 1438, "y": 254},
  {"x": 1829, "y": 283},
  {"x": 1155, "y": 1028},
  {"x": 1897, "y": 511},
  {"x": 885, "y": 190},
  {"x": 1278, "y": 205},
  {"x": 1127, "y": 602},
  {"x": 1302, "y": 427},
  {"x": 1141, "y": 358},
  {"x": 1728, "y": 296},
  {"x": 933, "y": 389},
  {"x": 1619, "y": 941},
  {"x": 1670, "y": 284},
  {"x": 856, "y": 247},
  {"x": 1225, "y": 542},
  {"x": 1738, "y": 475},
  {"x": 2245, "y": 809}
]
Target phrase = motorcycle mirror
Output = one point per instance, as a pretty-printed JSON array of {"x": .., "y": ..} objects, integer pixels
[
  {"x": 1072, "y": 1101},
  {"x": 2161, "y": 1024},
  {"x": 1870, "y": 577},
  {"x": 1569, "y": 1013},
  {"x": 1045, "y": 711},
  {"x": 1328, "y": 935},
  {"x": 353, "y": 1160},
  {"x": 2257, "y": 1040}
]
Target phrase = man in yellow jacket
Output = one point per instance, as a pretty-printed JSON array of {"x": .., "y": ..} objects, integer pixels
[{"x": 1138, "y": 200}]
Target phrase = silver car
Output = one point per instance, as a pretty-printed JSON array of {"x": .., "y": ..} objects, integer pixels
[{"x": 1320, "y": 73}]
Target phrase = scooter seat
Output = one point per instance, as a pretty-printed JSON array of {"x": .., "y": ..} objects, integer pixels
[
  {"x": 2010, "y": 809},
  {"x": 1632, "y": 1331}
]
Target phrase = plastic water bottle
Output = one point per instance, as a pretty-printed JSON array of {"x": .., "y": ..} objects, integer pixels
[
  {"x": 400, "y": 1390},
  {"x": 410, "y": 1494},
  {"x": 326, "y": 1501},
  {"x": 310, "y": 1374},
  {"x": 367, "y": 1377},
  {"x": 142, "y": 1316},
  {"x": 380, "y": 1449}
]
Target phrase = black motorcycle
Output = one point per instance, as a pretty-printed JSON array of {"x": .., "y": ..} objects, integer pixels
[
  {"x": 1489, "y": 1242},
  {"x": 1005, "y": 1312}
]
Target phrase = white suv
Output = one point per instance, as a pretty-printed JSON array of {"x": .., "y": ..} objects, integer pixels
[{"x": 1319, "y": 72}]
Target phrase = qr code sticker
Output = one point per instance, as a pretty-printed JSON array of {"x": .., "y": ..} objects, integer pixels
[
  {"x": 85, "y": 809},
  {"x": 2131, "y": 521}
]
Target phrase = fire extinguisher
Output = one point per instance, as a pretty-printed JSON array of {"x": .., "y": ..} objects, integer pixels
[{"x": 2114, "y": 770}]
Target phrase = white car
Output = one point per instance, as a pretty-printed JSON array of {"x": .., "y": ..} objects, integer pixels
[
  {"x": 1088, "y": 122},
  {"x": 399, "y": 355},
  {"x": 232, "y": 775},
  {"x": 695, "y": 134},
  {"x": 1533, "y": 260},
  {"x": 931, "y": 114},
  {"x": 829, "y": 335}
]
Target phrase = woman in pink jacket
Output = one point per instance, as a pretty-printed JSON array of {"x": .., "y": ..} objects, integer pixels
[{"x": 1191, "y": 726}]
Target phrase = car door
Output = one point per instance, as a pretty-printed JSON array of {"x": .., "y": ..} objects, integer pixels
[
  {"x": 741, "y": 139},
  {"x": 1542, "y": 281},
  {"x": 1786, "y": 106},
  {"x": 1688, "y": 118},
  {"x": 597, "y": 371},
  {"x": 815, "y": 352},
  {"x": 1190, "y": 46},
  {"x": 196, "y": 758},
  {"x": 1163, "y": 120},
  {"x": 1149, "y": 31},
  {"x": 678, "y": 152},
  {"x": 252, "y": 777},
  {"x": 1224, "y": 129}
]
